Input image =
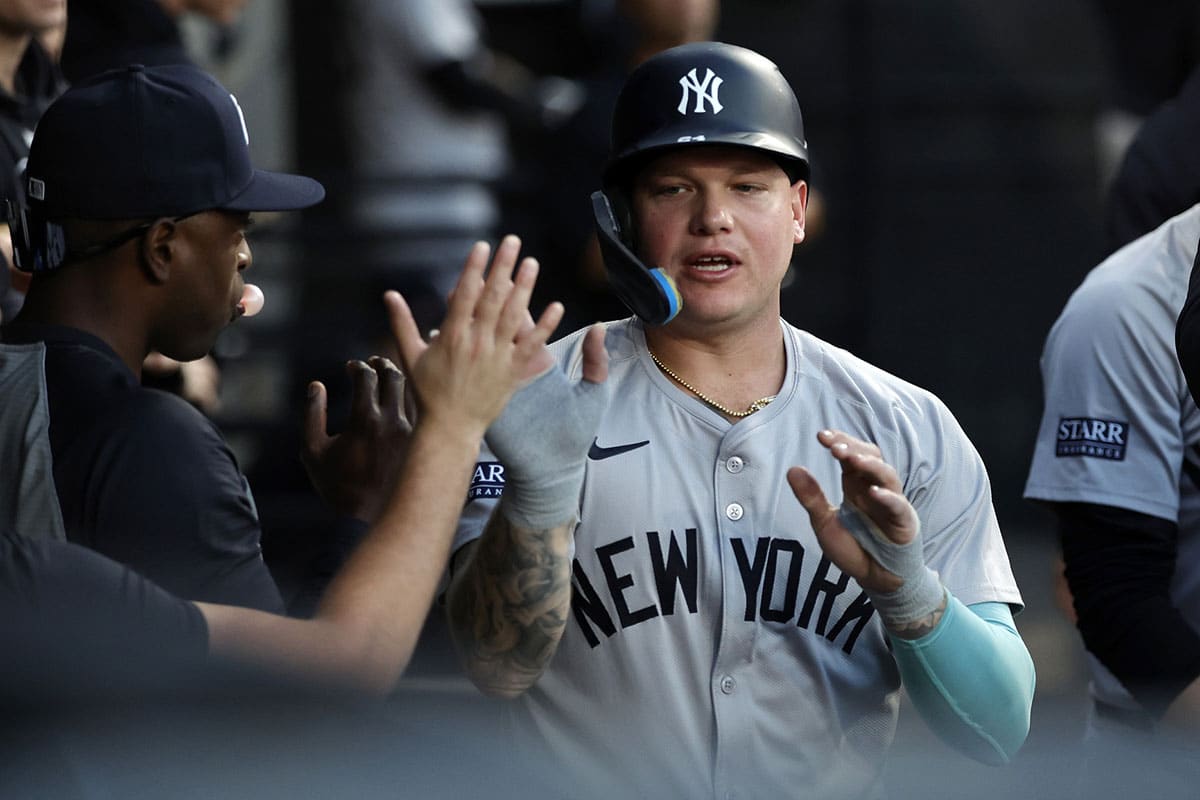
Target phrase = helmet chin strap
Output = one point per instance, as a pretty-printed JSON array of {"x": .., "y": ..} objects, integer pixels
[{"x": 647, "y": 291}]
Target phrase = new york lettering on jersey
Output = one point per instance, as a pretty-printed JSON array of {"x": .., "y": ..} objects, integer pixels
[{"x": 633, "y": 579}]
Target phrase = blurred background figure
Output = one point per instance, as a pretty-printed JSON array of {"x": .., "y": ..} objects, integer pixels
[
  {"x": 430, "y": 108},
  {"x": 425, "y": 146},
  {"x": 1159, "y": 174},
  {"x": 29, "y": 80},
  {"x": 1151, "y": 48},
  {"x": 104, "y": 34}
]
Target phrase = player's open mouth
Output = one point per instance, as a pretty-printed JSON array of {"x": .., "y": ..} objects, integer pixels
[{"x": 713, "y": 263}]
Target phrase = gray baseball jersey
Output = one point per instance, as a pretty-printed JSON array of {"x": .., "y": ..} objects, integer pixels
[
  {"x": 1119, "y": 426},
  {"x": 712, "y": 650}
]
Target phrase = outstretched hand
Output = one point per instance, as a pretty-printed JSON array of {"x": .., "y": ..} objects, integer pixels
[
  {"x": 875, "y": 536},
  {"x": 354, "y": 470},
  {"x": 542, "y": 439},
  {"x": 487, "y": 347}
]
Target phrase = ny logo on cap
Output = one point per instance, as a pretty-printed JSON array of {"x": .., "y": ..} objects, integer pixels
[
  {"x": 241, "y": 118},
  {"x": 706, "y": 90}
]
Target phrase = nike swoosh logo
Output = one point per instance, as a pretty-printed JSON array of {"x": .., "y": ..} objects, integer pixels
[{"x": 598, "y": 453}]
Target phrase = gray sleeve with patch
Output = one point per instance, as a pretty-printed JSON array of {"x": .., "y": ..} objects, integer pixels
[{"x": 1111, "y": 426}]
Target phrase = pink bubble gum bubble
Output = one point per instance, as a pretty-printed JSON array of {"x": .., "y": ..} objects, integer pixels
[{"x": 252, "y": 300}]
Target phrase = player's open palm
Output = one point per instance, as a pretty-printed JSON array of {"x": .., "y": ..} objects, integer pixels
[
  {"x": 487, "y": 345},
  {"x": 875, "y": 521}
]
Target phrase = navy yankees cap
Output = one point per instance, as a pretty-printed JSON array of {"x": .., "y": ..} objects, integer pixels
[{"x": 148, "y": 142}]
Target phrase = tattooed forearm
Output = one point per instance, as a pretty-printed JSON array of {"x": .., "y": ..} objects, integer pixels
[{"x": 509, "y": 604}]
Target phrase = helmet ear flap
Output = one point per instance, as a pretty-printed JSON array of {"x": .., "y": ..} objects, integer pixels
[
  {"x": 647, "y": 291},
  {"x": 622, "y": 212}
]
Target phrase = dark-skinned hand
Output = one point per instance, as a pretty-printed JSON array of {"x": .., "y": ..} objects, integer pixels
[{"x": 355, "y": 469}]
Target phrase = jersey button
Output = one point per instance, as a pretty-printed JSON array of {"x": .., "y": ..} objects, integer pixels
[
  {"x": 728, "y": 684},
  {"x": 734, "y": 465},
  {"x": 734, "y": 511}
]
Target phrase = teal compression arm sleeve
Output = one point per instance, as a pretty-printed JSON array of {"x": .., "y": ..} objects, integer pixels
[{"x": 972, "y": 680}]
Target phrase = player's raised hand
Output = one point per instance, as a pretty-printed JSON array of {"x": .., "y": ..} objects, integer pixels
[
  {"x": 874, "y": 536},
  {"x": 486, "y": 347},
  {"x": 355, "y": 469},
  {"x": 542, "y": 439}
]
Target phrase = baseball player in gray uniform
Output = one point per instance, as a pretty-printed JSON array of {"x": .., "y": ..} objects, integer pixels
[
  {"x": 1118, "y": 460},
  {"x": 670, "y": 619}
]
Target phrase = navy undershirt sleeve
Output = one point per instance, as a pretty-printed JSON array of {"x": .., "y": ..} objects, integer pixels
[{"x": 1119, "y": 565}]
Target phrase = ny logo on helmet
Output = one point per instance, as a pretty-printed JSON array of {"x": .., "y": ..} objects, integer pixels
[{"x": 706, "y": 90}]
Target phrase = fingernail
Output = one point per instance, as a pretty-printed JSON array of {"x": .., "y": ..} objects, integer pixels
[{"x": 313, "y": 390}]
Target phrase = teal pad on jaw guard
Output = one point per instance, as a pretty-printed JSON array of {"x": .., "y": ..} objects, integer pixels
[{"x": 670, "y": 291}]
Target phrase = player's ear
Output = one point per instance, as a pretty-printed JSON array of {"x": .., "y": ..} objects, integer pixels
[
  {"x": 799, "y": 191},
  {"x": 158, "y": 250}
]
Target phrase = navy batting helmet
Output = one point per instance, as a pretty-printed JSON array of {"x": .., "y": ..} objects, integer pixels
[{"x": 706, "y": 93}]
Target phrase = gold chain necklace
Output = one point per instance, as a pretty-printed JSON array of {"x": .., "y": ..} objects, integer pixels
[{"x": 757, "y": 405}]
